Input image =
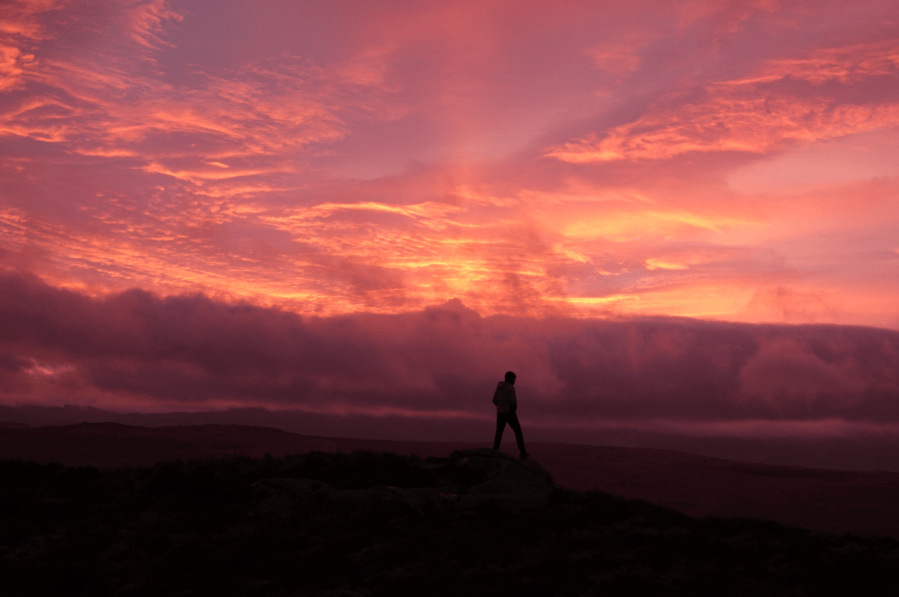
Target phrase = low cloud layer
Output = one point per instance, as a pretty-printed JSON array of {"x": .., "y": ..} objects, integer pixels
[{"x": 136, "y": 351}]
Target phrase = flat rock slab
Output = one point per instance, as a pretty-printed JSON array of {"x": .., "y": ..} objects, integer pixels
[
  {"x": 466, "y": 480},
  {"x": 493, "y": 471}
]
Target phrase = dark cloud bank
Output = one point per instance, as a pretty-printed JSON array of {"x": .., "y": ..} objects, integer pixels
[{"x": 430, "y": 374}]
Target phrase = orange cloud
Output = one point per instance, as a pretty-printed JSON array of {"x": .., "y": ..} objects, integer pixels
[
  {"x": 104, "y": 98},
  {"x": 397, "y": 160},
  {"x": 758, "y": 114},
  {"x": 11, "y": 67}
]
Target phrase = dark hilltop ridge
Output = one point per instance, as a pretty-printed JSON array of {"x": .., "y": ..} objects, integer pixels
[
  {"x": 476, "y": 522},
  {"x": 824, "y": 500}
]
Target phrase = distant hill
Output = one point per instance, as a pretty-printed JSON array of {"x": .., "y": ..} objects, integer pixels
[{"x": 868, "y": 453}]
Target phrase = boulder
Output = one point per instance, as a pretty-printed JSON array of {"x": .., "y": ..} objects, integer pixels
[
  {"x": 290, "y": 485},
  {"x": 282, "y": 496},
  {"x": 466, "y": 481},
  {"x": 490, "y": 471}
]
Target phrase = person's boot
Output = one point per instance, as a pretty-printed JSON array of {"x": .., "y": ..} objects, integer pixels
[{"x": 525, "y": 455}]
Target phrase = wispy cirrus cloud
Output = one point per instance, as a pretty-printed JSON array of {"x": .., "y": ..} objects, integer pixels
[
  {"x": 833, "y": 93},
  {"x": 96, "y": 89},
  {"x": 577, "y": 162}
]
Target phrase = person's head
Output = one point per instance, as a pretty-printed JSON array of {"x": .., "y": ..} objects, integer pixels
[{"x": 510, "y": 377}]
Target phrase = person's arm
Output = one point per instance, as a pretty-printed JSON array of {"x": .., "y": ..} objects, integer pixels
[{"x": 513, "y": 399}]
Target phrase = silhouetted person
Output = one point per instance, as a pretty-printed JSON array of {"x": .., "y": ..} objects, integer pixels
[{"x": 506, "y": 406}]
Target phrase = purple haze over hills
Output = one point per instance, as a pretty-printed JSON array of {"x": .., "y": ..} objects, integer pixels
[{"x": 871, "y": 453}]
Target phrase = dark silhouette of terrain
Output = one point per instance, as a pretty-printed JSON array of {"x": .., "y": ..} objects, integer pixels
[
  {"x": 820, "y": 499},
  {"x": 476, "y": 522}
]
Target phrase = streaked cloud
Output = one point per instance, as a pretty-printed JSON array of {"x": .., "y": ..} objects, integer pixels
[
  {"x": 832, "y": 93},
  {"x": 696, "y": 159}
]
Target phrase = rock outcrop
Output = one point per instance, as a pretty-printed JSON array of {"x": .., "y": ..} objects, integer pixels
[
  {"x": 486, "y": 471},
  {"x": 466, "y": 480}
]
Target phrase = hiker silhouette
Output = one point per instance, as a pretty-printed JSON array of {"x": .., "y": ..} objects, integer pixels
[{"x": 506, "y": 407}]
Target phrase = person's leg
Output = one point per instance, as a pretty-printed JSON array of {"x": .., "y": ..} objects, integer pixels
[
  {"x": 500, "y": 426},
  {"x": 519, "y": 438}
]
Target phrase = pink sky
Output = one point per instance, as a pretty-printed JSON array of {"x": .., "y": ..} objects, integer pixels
[{"x": 577, "y": 161}]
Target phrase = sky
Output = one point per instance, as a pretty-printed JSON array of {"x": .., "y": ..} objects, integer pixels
[{"x": 680, "y": 212}]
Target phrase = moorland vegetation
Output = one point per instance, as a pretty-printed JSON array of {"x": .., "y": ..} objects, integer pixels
[{"x": 477, "y": 522}]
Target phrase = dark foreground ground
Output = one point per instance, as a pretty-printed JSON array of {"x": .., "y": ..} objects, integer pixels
[
  {"x": 826, "y": 500},
  {"x": 367, "y": 523}
]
